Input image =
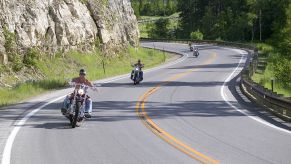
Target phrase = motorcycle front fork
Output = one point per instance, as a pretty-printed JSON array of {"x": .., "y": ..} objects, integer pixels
[{"x": 72, "y": 107}]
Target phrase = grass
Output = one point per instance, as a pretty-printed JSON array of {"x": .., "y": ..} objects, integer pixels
[
  {"x": 61, "y": 69},
  {"x": 264, "y": 79},
  {"x": 27, "y": 90},
  {"x": 145, "y": 27},
  {"x": 264, "y": 76}
]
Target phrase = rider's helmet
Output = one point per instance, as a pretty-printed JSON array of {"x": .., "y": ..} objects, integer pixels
[
  {"x": 82, "y": 72},
  {"x": 138, "y": 61}
]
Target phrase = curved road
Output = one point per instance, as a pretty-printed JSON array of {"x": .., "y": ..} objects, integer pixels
[{"x": 188, "y": 112}]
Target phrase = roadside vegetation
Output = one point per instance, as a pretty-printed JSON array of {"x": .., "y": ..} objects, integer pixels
[
  {"x": 273, "y": 66},
  {"x": 58, "y": 70},
  {"x": 277, "y": 56}
]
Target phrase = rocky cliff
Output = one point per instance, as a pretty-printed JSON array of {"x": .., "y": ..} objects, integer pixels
[{"x": 54, "y": 25}]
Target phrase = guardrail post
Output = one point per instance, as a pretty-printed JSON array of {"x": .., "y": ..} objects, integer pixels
[
  {"x": 251, "y": 69},
  {"x": 103, "y": 65},
  {"x": 164, "y": 54},
  {"x": 272, "y": 84},
  {"x": 154, "y": 49}
]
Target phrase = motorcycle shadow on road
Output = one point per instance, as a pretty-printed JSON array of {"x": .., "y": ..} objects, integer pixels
[
  {"x": 54, "y": 125},
  {"x": 49, "y": 117}
]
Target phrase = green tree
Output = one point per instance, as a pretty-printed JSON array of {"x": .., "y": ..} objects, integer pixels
[
  {"x": 154, "y": 7},
  {"x": 161, "y": 29},
  {"x": 232, "y": 19},
  {"x": 283, "y": 40}
]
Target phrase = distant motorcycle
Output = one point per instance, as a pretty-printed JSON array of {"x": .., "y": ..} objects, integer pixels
[
  {"x": 76, "y": 108},
  {"x": 136, "y": 75},
  {"x": 196, "y": 53}
]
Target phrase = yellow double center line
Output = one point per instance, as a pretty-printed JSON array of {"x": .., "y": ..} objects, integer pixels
[{"x": 147, "y": 121}]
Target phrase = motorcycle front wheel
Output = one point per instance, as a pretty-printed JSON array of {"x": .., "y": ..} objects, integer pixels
[{"x": 75, "y": 117}]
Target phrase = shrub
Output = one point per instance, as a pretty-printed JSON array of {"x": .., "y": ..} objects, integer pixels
[
  {"x": 17, "y": 63},
  {"x": 282, "y": 71},
  {"x": 197, "y": 35},
  {"x": 10, "y": 42},
  {"x": 31, "y": 57},
  {"x": 10, "y": 46}
]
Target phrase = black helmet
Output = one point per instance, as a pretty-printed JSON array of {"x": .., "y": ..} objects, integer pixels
[
  {"x": 138, "y": 61},
  {"x": 82, "y": 72}
]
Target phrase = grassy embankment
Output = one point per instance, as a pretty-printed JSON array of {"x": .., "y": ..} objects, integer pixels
[
  {"x": 266, "y": 72},
  {"x": 58, "y": 70}
]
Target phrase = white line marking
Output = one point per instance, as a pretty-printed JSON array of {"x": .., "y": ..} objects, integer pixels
[
  {"x": 18, "y": 125},
  {"x": 9, "y": 142},
  {"x": 224, "y": 96}
]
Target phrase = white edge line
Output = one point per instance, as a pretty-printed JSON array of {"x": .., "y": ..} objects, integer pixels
[
  {"x": 6, "y": 157},
  {"x": 18, "y": 125},
  {"x": 224, "y": 96}
]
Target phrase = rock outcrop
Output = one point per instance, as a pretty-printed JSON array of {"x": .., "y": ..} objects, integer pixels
[{"x": 55, "y": 25}]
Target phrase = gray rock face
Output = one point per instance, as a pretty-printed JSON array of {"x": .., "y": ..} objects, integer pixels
[{"x": 54, "y": 25}]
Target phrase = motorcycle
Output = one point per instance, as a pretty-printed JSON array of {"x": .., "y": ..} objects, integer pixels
[
  {"x": 136, "y": 75},
  {"x": 196, "y": 53},
  {"x": 76, "y": 110}
]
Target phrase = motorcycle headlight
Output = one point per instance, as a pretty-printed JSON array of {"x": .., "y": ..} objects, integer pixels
[{"x": 81, "y": 91}]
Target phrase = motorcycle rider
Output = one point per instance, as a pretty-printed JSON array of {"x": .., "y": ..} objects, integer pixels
[
  {"x": 88, "y": 103},
  {"x": 196, "y": 50},
  {"x": 190, "y": 46},
  {"x": 140, "y": 66}
]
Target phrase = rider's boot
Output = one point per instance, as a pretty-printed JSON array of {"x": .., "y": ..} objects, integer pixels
[
  {"x": 87, "y": 115},
  {"x": 64, "y": 111}
]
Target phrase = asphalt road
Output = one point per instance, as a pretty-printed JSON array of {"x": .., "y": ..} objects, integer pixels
[{"x": 188, "y": 112}]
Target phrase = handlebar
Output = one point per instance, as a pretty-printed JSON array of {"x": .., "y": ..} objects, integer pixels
[
  {"x": 137, "y": 66},
  {"x": 74, "y": 84}
]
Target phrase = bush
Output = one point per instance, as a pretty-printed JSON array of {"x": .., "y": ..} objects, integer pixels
[
  {"x": 17, "y": 63},
  {"x": 31, "y": 57},
  {"x": 11, "y": 49},
  {"x": 197, "y": 35},
  {"x": 10, "y": 41},
  {"x": 282, "y": 71}
]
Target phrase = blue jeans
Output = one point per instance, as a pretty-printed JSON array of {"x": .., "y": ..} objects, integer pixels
[{"x": 88, "y": 104}]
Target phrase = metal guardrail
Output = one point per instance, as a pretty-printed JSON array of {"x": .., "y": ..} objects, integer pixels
[
  {"x": 275, "y": 103},
  {"x": 223, "y": 43},
  {"x": 156, "y": 19}
]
